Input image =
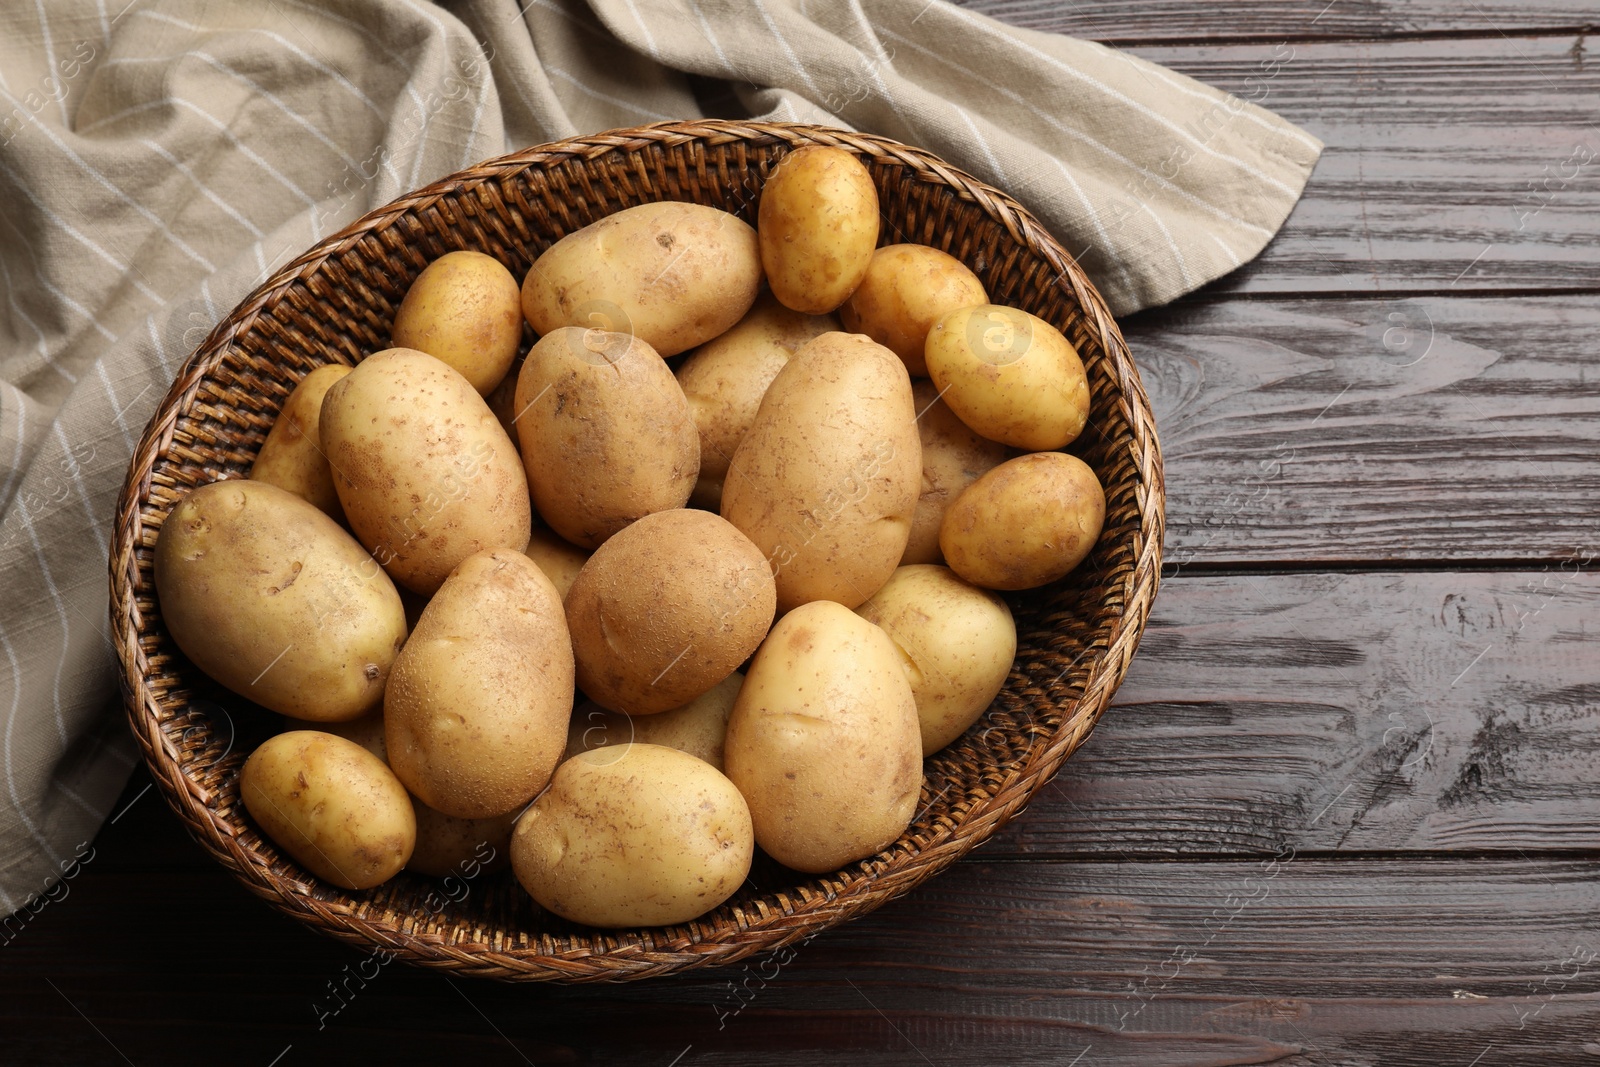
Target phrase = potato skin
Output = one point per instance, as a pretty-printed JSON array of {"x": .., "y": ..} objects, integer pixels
[
  {"x": 699, "y": 728},
  {"x": 448, "y": 847},
  {"x": 674, "y": 275},
  {"x": 425, "y": 473},
  {"x": 953, "y": 457},
  {"x": 559, "y": 559},
  {"x": 824, "y": 740},
  {"x": 1026, "y": 523},
  {"x": 725, "y": 379},
  {"x": 647, "y": 836},
  {"x": 332, "y": 805},
  {"x": 1009, "y": 375},
  {"x": 605, "y": 433},
  {"x": 907, "y": 288},
  {"x": 476, "y": 710},
  {"x": 826, "y": 481},
  {"x": 276, "y": 601},
  {"x": 818, "y": 224},
  {"x": 465, "y": 309},
  {"x": 666, "y": 609},
  {"x": 292, "y": 457},
  {"x": 958, "y": 644}
]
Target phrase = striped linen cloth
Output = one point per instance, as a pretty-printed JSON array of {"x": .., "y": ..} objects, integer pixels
[{"x": 160, "y": 158}]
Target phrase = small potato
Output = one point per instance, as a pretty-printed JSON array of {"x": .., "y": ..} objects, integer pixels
[
  {"x": 725, "y": 379},
  {"x": 559, "y": 559},
  {"x": 477, "y": 705},
  {"x": 461, "y": 848},
  {"x": 674, "y": 275},
  {"x": 953, "y": 457},
  {"x": 465, "y": 308},
  {"x": 332, "y": 805},
  {"x": 292, "y": 457},
  {"x": 699, "y": 727},
  {"x": 826, "y": 480},
  {"x": 425, "y": 473},
  {"x": 648, "y": 836},
  {"x": 666, "y": 609},
  {"x": 824, "y": 741},
  {"x": 818, "y": 224},
  {"x": 958, "y": 642},
  {"x": 366, "y": 731},
  {"x": 906, "y": 290},
  {"x": 605, "y": 432},
  {"x": 1010, "y": 376},
  {"x": 1026, "y": 523},
  {"x": 276, "y": 601}
]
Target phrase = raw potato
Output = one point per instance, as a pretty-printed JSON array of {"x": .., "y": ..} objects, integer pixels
[
  {"x": 559, "y": 559},
  {"x": 292, "y": 457},
  {"x": 666, "y": 609},
  {"x": 953, "y": 457},
  {"x": 958, "y": 641},
  {"x": 648, "y": 836},
  {"x": 461, "y": 848},
  {"x": 818, "y": 224},
  {"x": 906, "y": 290},
  {"x": 274, "y": 600},
  {"x": 699, "y": 727},
  {"x": 332, "y": 805},
  {"x": 605, "y": 433},
  {"x": 425, "y": 473},
  {"x": 1010, "y": 376},
  {"x": 826, "y": 480},
  {"x": 1026, "y": 523},
  {"x": 824, "y": 740},
  {"x": 464, "y": 308},
  {"x": 366, "y": 731},
  {"x": 477, "y": 706},
  {"x": 725, "y": 378},
  {"x": 674, "y": 275}
]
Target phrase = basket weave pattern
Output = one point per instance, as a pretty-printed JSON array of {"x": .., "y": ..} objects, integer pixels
[{"x": 335, "y": 304}]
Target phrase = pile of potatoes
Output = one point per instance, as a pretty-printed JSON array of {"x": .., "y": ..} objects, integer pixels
[{"x": 711, "y": 570}]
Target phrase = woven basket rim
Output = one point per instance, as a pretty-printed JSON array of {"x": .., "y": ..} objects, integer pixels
[{"x": 792, "y": 918}]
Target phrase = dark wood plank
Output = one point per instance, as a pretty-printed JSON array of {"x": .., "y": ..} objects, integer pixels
[
  {"x": 1300, "y": 431},
  {"x": 1450, "y": 165},
  {"x": 1126, "y": 21},
  {"x": 1355, "y": 713},
  {"x": 1291, "y": 961}
]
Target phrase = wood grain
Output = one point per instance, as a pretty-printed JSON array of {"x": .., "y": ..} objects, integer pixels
[
  {"x": 1124, "y": 21},
  {"x": 1375, "y": 430},
  {"x": 1342, "y": 712}
]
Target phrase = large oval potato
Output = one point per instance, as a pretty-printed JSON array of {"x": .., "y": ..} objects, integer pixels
[
  {"x": 1026, "y": 523},
  {"x": 666, "y": 609},
  {"x": 699, "y": 728},
  {"x": 958, "y": 643},
  {"x": 826, "y": 481},
  {"x": 674, "y": 275},
  {"x": 605, "y": 432},
  {"x": 477, "y": 705},
  {"x": 824, "y": 740},
  {"x": 725, "y": 379},
  {"x": 818, "y": 224},
  {"x": 274, "y": 600},
  {"x": 647, "y": 836},
  {"x": 559, "y": 558},
  {"x": 907, "y": 288},
  {"x": 332, "y": 805},
  {"x": 953, "y": 457},
  {"x": 465, "y": 309},
  {"x": 425, "y": 473},
  {"x": 292, "y": 457},
  {"x": 1009, "y": 375}
]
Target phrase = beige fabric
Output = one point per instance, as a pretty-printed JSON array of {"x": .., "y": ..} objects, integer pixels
[{"x": 158, "y": 161}]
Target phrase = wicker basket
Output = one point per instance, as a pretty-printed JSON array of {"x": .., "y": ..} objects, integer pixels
[{"x": 335, "y": 303}]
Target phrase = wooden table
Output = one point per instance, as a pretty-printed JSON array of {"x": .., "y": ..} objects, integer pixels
[{"x": 1346, "y": 809}]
